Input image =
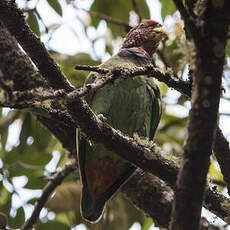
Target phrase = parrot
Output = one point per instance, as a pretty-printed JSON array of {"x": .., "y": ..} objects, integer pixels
[{"x": 131, "y": 106}]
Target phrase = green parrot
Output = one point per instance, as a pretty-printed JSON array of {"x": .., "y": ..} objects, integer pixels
[{"x": 131, "y": 106}]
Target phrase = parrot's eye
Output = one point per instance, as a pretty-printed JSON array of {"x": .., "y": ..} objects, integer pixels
[
  {"x": 158, "y": 25},
  {"x": 143, "y": 25}
]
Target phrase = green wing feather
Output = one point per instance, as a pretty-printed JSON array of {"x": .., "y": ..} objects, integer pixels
[{"x": 131, "y": 106}]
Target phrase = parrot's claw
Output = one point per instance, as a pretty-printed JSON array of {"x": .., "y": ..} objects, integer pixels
[{"x": 102, "y": 117}]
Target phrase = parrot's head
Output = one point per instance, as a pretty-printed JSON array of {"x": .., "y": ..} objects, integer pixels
[{"x": 147, "y": 35}]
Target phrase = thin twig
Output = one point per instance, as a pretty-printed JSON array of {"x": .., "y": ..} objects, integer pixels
[
  {"x": 108, "y": 19},
  {"x": 224, "y": 114},
  {"x": 92, "y": 68},
  {"x": 48, "y": 189},
  {"x": 7, "y": 120},
  {"x": 42, "y": 21},
  {"x": 167, "y": 77}
]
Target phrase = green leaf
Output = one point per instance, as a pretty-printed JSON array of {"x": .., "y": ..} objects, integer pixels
[
  {"x": 33, "y": 22},
  {"x": 143, "y": 9},
  {"x": 36, "y": 158},
  {"x": 18, "y": 220},
  {"x": 163, "y": 88},
  {"x": 228, "y": 48},
  {"x": 31, "y": 127},
  {"x": 214, "y": 172},
  {"x": 11, "y": 156},
  {"x": 167, "y": 119},
  {"x": 167, "y": 8},
  {"x": 41, "y": 135},
  {"x": 28, "y": 156},
  {"x": 35, "y": 180},
  {"x": 4, "y": 199},
  {"x": 147, "y": 224},
  {"x": 113, "y": 9},
  {"x": 109, "y": 49},
  {"x": 56, "y": 6},
  {"x": 5, "y": 206},
  {"x": 4, "y": 137},
  {"x": 68, "y": 193}
]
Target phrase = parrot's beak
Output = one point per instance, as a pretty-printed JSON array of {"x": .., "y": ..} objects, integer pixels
[{"x": 160, "y": 32}]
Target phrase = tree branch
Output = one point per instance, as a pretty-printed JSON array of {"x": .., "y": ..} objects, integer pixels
[
  {"x": 190, "y": 24},
  {"x": 109, "y": 19},
  {"x": 222, "y": 153},
  {"x": 152, "y": 195},
  {"x": 48, "y": 189},
  {"x": 167, "y": 77},
  {"x": 180, "y": 6},
  {"x": 22, "y": 77},
  {"x": 191, "y": 182},
  {"x": 155, "y": 198},
  {"x": 14, "y": 20}
]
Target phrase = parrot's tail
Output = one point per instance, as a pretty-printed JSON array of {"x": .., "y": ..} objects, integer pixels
[{"x": 92, "y": 207}]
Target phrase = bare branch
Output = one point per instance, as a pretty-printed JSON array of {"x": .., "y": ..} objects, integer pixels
[{"x": 48, "y": 189}]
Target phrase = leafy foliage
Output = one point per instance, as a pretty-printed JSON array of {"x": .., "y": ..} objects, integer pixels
[
  {"x": 168, "y": 8},
  {"x": 114, "y": 10},
  {"x": 56, "y": 6},
  {"x": 33, "y": 22}
]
